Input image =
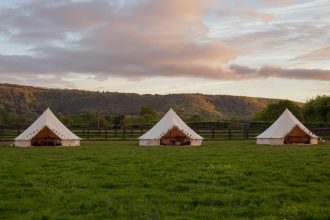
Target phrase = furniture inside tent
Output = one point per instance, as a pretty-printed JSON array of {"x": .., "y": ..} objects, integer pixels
[
  {"x": 175, "y": 137},
  {"x": 297, "y": 136},
  {"x": 46, "y": 137}
]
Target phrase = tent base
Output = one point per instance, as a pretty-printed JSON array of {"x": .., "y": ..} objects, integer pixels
[
  {"x": 70, "y": 143},
  {"x": 64, "y": 143},
  {"x": 157, "y": 143},
  {"x": 149, "y": 143},
  {"x": 280, "y": 141},
  {"x": 23, "y": 143}
]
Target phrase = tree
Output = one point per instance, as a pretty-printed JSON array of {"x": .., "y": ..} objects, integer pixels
[
  {"x": 118, "y": 121},
  {"x": 107, "y": 120},
  {"x": 134, "y": 119},
  {"x": 272, "y": 111},
  {"x": 317, "y": 110},
  {"x": 195, "y": 118},
  {"x": 89, "y": 120},
  {"x": 3, "y": 117},
  {"x": 149, "y": 113}
]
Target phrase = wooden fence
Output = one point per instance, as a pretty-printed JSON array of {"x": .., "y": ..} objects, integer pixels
[{"x": 210, "y": 131}]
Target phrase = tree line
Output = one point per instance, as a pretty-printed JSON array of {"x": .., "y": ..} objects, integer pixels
[{"x": 315, "y": 110}]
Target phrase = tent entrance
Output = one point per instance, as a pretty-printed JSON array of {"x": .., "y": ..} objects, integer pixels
[
  {"x": 297, "y": 136},
  {"x": 175, "y": 137},
  {"x": 46, "y": 137}
]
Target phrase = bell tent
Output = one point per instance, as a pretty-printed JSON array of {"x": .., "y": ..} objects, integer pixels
[
  {"x": 170, "y": 130},
  {"x": 287, "y": 129},
  {"x": 47, "y": 130}
]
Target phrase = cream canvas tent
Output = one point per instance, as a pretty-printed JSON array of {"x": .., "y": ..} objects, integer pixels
[
  {"x": 170, "y": 130},
  {"x": 47, "y": 130},
  {"x": 287, "y": 129}
]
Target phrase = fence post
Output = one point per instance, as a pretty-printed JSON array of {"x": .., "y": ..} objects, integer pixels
[
  {"x": 141, "y": 132},
  {"x": 212, "y": 130},
  {"x": 99, "y": 132},
  {"x": 132, "y": 132},
  {"x": 106, "y": 134},
  {"x": 88, "y": 134},
  {"x": 18, "y": 131},
  {"x": 229, "y": 132},
  {"x": 115, "y": 132},
  {"x": 124, "y": 133},
  {"x": 245, "y": 132}
]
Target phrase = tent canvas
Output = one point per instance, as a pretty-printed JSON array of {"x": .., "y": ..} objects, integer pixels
[
  {"x": 170, "y": 130},
  {"x": 47, "y": 130},
  {"x": 287, "y": 129}
]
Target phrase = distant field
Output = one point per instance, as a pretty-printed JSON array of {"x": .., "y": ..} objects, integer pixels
[{"x": 120, "y": 180}]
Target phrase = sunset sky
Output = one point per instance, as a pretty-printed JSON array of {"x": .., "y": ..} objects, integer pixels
[{"x": 264, "y": 48}]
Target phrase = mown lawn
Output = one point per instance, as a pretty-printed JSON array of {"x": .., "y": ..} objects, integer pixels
[{"x": 120, "y": 180}]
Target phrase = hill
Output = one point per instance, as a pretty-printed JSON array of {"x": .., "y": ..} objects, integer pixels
[{"x": 31, "y": 101}]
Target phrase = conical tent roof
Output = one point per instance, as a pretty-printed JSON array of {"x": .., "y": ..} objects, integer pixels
[
  {"x": 169, "y": 121},
  {"x": 283, "y": 125},
  {"x": 48, "y": 119}
]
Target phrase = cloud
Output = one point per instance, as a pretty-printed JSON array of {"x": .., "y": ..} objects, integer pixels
[
  {"x": 318, "y": 54},
  {"x": 244, "y": 14},
  {"x": 284, "y": 2},
  {"x": 36, "y": 80},
  {"x": 149, "y": 38},
  {"x": 141, "y": 39},
  {"x": 280, "y": 37},
  {"x": 269, "y": 71}
]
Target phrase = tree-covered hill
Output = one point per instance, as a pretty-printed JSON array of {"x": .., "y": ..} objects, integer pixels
[{"x": 31, "y": 101}]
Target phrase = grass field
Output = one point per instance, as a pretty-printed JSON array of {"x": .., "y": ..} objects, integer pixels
[{"x": 120, "y": 180}]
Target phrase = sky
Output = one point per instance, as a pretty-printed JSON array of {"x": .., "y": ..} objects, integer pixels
[{"x": 261, "y": 48}]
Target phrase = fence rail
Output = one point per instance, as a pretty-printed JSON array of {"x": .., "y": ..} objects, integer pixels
[{"x": 211, "y": 131}]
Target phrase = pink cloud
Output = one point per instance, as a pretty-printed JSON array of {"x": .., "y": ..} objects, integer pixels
[
  {"x": 319, "y": 54},
  {"x": 268, "y": 71},
  {"x": 137, "y": 40}
]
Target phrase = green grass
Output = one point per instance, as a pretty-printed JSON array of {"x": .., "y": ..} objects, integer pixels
[{"x": 120, "y": 180}]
